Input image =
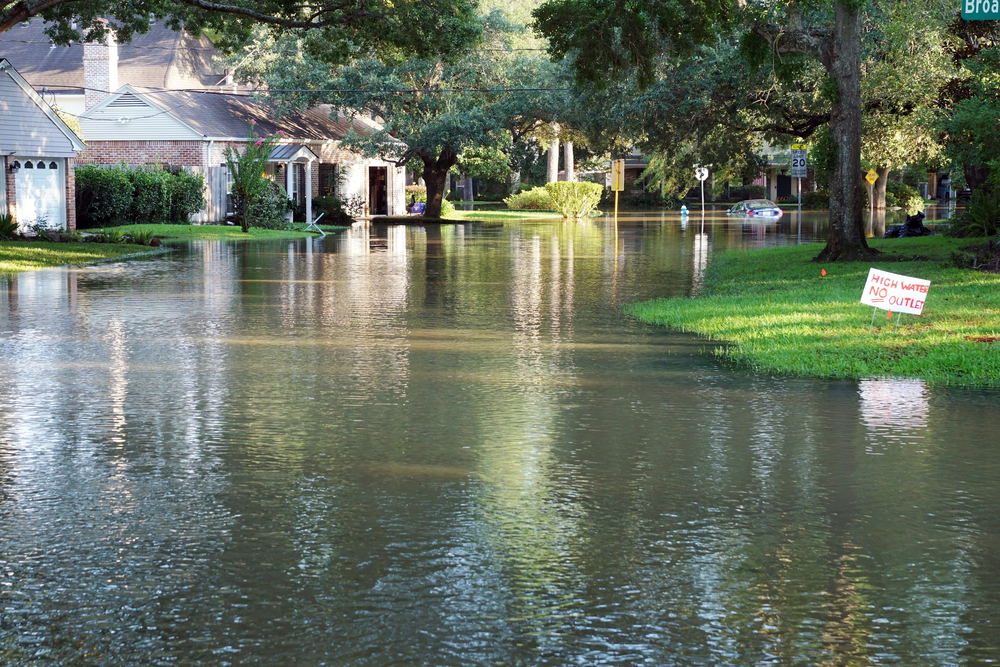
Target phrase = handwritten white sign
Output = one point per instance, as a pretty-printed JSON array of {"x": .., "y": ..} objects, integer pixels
[{"x": 896, "y": 293}]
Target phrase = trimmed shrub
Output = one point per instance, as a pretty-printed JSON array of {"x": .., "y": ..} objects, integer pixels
[
  {"x": 819, "y": 199},
  {"x": 151, "y": 195},
  {"x": 110, "y": 196},
  {"x": 536, "y": 199},
  {"x": 574, "y": 200},
  {"x": 103, "y": 195},
  {"x": 188, "y": 196},
  {"x": 332, "y": 210},
  {"x": 904, "y": 196},
  {"x": 267, "y": 207}
]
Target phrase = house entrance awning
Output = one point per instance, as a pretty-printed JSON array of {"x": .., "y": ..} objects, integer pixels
[{"x": 292, "y": 153}]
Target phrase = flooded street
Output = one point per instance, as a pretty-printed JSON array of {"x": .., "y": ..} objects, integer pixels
[{"x": 447, "y": 446}]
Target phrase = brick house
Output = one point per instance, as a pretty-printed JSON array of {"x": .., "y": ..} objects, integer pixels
[
  {"x": 37, "y": 152},
  {"x": 161, "y": 101}
]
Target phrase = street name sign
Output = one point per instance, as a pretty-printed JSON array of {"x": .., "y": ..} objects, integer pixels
[
  {"x": 895, "y": 293},
  {"x": 980, "y": 10},
  {"x": 799, "y": 166}
]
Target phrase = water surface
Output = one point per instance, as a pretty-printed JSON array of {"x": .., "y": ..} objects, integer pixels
[{"x": 446, "y": 446}]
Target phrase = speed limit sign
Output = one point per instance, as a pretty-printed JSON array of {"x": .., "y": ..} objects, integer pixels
[
  {"x": 701, "y": 173},
  {"x": 798, "y": 169}
]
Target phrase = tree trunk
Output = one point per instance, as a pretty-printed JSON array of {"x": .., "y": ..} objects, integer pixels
[
  {"x": 878, "y": 190},
  {"x": 514, "y": 182},
  {"x": 553, "y": 174},
  {"x": 841, "y": 57},
  {"x": 568, "y": 160},
  {"x": 436, "y": 177},
  {"x": 467, "y": 194}
]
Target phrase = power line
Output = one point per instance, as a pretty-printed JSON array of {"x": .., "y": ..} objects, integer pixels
[{"x": 249, "y": 93}]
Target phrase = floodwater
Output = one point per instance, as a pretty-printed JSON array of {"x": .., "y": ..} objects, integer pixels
[{"x": 446, "y": 446}]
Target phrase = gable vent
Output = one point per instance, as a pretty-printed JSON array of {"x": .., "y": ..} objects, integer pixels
[{"x": 127, "y": 101}]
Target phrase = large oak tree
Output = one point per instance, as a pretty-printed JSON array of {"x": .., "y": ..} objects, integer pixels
[{"x": 601, "y": 37}]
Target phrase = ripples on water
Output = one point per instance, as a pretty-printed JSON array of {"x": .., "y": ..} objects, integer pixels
[{"x": 412, "y": 447}]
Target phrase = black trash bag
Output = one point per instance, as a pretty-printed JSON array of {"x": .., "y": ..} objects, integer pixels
[{"x": 914, "y": 226}]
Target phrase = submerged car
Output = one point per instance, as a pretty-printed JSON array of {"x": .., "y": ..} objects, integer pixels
[{"x": 756, "y": 208}]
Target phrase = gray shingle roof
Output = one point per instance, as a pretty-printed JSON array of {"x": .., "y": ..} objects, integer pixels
[
  {"x": 222, "y": 115},
  {"x": 161, "y": 58}
]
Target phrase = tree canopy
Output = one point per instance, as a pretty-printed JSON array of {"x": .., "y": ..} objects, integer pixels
[
  {"x": 434, "y": 111},
  {"x": 339, "y": 27}
]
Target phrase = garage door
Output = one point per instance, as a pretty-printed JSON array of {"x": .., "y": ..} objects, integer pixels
[{"x": 40, "y": 192}]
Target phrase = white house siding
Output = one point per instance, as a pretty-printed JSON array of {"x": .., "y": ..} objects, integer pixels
[
  {"x": 24, "y": 128},
  {"x": 129, "y": 118}
]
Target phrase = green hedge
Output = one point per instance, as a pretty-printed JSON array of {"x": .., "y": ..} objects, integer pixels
[
  {"x": 536, "y": 199},
  {"x": 574, "y": 199},
  {"x": 118, "y": 195}
]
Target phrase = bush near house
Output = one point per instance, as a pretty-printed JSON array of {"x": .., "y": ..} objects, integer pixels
[
  {"x": 268, "y": 206},
  {"x": 332, "y": 210},
  {"x": 109, "y": 196},
  {"x": 535, "y": 199},
  {"x": 419, "y": 193},
  {"x": 902, "y": 195},
  {"x": 896, "y": 194},
  {"x": 574, "y": 199},
  {"x": 818, "y": 199}
]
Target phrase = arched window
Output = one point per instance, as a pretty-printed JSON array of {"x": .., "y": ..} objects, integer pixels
[
  {"x": 53, "y": 165},
  {"x": 27, "y": 164}
]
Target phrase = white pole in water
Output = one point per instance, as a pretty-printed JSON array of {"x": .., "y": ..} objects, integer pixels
[{"x": 703, "y": 199}]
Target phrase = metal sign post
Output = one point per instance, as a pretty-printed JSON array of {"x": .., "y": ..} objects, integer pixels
[
  {"x": 871, "y": 177},
  {"x": 701, "y": 173},
  {"x": 799, "y": 170},
  {"x": 617, "y": 182}
]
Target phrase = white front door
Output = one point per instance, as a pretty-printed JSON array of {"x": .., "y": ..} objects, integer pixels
[{"x": 41, "y": 192}]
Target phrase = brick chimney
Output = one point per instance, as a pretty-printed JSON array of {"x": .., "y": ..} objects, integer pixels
[{"x": 100, "y": 69}]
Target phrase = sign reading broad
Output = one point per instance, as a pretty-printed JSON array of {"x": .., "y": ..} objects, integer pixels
[
  {"x": 980, "y": 10},
  {"x": 895, "y": 293}
]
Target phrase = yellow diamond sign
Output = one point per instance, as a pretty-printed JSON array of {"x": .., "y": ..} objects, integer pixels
[{"x": 871, "y": 176}]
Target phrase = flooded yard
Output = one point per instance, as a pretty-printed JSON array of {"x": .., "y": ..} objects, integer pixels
[{"x": 447, "y": 446}]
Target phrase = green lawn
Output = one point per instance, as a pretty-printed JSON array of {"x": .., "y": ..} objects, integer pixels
[
  {"x": 217, "y": 232},
  {"x": 778, "y": 314},
  {"x": 17, "y": 256}
]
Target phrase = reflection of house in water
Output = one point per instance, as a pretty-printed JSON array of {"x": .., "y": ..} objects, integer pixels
[{"x": 894, "y": 410}]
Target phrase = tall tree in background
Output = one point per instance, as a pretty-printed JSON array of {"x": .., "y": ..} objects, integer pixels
[
  {"x": 604, "y": 36},
  {"x": 430, "y": 110},
  {"x": 970, "y": 102}
]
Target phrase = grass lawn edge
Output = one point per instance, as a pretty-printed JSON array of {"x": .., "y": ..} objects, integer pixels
[{"x": 774, "y": 312}]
